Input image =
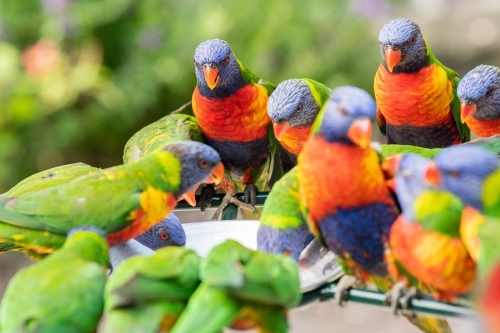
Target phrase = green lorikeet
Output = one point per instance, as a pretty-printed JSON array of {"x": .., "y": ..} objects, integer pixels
[
  {"x": 62, "y": 293},
  {"x": 148, "y": 293},
  {"x": 416, "y": 95},
  {"x": 293, "y": 107},
  {"x": 230, "y": 104},
  {"x": 241, "y": 288},
  {"x": 38, "y": 243},
  {"x": 282, "y": 228},
  {"x": 479, "y": 93},
  {"x": 125, "y": 201},
  {"x": 169, "y": 129}
]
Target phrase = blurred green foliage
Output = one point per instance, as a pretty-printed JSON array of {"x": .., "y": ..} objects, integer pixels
[{"x": 79, "y": 77}]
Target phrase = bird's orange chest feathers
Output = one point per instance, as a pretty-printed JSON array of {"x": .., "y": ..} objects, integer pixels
[
  {"x": 350, "y": 176},
  {"x": 418, "y": 99},
  {"x": 293, "y": 140},
  {"x": 484, "y": 128},
  {"x": 241, "y": 117}
]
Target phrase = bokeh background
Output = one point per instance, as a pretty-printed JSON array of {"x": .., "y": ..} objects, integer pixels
[{"x": 79, "y": 77}]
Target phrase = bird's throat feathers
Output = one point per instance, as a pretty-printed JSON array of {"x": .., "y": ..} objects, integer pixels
[
  {"x": 353, "y": 172},
  {"x": 293, "y": 140},
  {"x": 240, "y": 117}
]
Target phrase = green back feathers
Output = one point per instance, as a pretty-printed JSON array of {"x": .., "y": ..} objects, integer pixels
[
  {"x": 251, "y": 78},
  {"x": 489, "y": 233},
  {"x": 491, "y": 195},
  {"x": 281, "y": 209},
  {"x": 391, "y": 150},
  {"x": 85, "y": 245},
  {"x": 169, "y": 129},
  {"x": 319, "y": 91},
  {"x": 439, "y": 211}
]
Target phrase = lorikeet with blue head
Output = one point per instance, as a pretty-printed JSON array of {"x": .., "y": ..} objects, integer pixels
[
  {"x": 293, "y": 107},
  {"x": 416, "y": 95},
  {"x": 169, "y": 129},
  {"x": 479, "y": 93},
  {"x": 168, "y": 232},
  {"x": 242, "y": 289},
  {"x": 350, "y": 209},
  {"x": 282, "y": 228},
  {"x": 148, "y": 293},
  {"x": 230, "y": 104},
  {"x": 62, "y": 293},
  {"x": 426, "y": 250},
  {"x": 125, "y": 200}
]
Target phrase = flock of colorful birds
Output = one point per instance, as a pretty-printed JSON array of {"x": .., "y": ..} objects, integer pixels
[{"x": 408, "y": 216}]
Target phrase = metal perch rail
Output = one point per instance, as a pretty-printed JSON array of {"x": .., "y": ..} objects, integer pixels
[{"x": 424, "y": 305}]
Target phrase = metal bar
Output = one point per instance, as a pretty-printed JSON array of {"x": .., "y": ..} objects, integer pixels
[
  {"x": 217, "y": 198},
  {"x": 229, "y": 213},
  {"x": 425, "y": 305}
]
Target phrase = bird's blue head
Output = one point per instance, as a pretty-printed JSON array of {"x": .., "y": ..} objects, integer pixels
[
  {"x": 292, "y": 105},
  {"x": 217, "y": 69},
  {"x": 479, "y": 93},
  {"x": 168, "y": 232},
  {"x": 402, "y": 46},
  {"x": 347, "y": 117},
  {"x": 409, "y": 171},
  {"x": 199, "y": 163},
  {"x": 462, "y": 171}
]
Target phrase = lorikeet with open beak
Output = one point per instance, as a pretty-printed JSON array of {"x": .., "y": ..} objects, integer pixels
[
  {"x": 125, "y": 200},
  {"x": 242, "y": 289},
  {"x": 62, "y": 293},
  {"x": 293, "y": 107},
  {"x": 415, "y": 93},
  {"x": 426, "y": 250},
  {"x": 230, "y": 104},
  {"x": 169, "y": 129},
  {"x": 479, "y": 93},
  {"x": 282, "y": 228},
  {"x": 148, "y": 293},
  {"x": 168, "y": 232}
]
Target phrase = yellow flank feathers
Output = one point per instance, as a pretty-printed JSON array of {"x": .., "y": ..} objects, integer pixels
[
  {"x": 171, "y": 167},
  {"x": 155, "y": 205}
]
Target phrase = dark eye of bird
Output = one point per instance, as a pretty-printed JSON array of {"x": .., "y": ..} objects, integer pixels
[
  {"x": 227, "y": 58},
  {"x": 164, "y": 235},
  {"x": 299, "y": 108},
  {"x": 455, "y": 173},
  {"x": 341, "y": 110},
  {"x": 413, "y": 39},
  {"x": 204, "y": 164}
]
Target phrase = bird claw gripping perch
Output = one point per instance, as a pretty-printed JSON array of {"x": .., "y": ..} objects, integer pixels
[
  {"x": 393, "y": 296},
  {"x": 345, "y": 283},
  {"x": 206, "y": 195},
  {"x": 250, "y": 194},
  {"x": 230, "y": 198}
]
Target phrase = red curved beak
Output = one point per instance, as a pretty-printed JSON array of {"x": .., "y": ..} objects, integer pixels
[
  {"x": 467, "y": 110},
  {"x": 392, "y": 58},
  {"x": 189, "y": 196},
  {"x": 216, "y": 175},
  {"x": 360, "y": 132},
  {"x": 211, "y": 75},
  {"x": 432, "y": 174},
  {"x": 280, "y": 129}
]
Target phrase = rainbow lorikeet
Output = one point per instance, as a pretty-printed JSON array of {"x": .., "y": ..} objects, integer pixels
[
  {"x": 169, "y": 129},
  {"x": 148, "y": 293},
  {"x": 426, "y": 250},
  {"x": 168, "y": 232},
  {"x": 125, "y": 200},
  {"x": 293, "y": 107},
  {"x": 350, "y": 210},
  {"x": 230, "y": 104},
  {"x": 479, "y": 92},
  {"x": 243, "y": 289},
  {"x": 416, "y": 94},
  {"x": 62, "y": 293},
  {"x": 282, "y": 228}
]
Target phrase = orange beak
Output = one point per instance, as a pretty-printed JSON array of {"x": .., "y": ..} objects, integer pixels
[
  {"x": 467, "y": 110},
  {"x": 211, "y": 75},
  {"x": 216, "y": 175},
  {"x": 432, "y": 174},
  {"x": 392, "y": 58},
  {"x": 190, "y": 196},
  {"x": 280, "y": 129},
  {"x": 360, "y": 132}
]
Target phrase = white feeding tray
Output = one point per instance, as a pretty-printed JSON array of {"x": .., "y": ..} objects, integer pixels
[{"x": 317, "y": 265}]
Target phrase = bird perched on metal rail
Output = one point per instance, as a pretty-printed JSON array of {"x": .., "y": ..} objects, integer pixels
[
  {"x": 230, "y": 104},
  {"x": 416, "y": 95}
]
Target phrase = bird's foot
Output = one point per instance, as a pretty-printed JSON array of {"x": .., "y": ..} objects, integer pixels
[
  {"x": 250, "y": 193},
  {"x": 345, "y": 283},
  {"x": 206, "y": 195},
  {"x": 393, "y": 296},
  {"x": 409, "y": 296},
  {"x": 230, "y": 199}
]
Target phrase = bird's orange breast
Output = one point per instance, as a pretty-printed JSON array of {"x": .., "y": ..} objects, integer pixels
[{"x": 293, "y": 140}]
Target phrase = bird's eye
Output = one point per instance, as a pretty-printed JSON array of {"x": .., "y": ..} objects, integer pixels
[
  {"x": 489, "y": 91},
  {"x": 454, "y": 173},
  {"x": 163, "y": 235},
  {"x": 413, "y": 40},
  {"x": 204, "y": 164},
  {"x": 407, "y": 173},
  {"x": 299, "y": 108},
  {"x": 227, "y": 58},
  {"x": 194, "y": 61},
  {"x": 341, "y": 110}
]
